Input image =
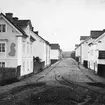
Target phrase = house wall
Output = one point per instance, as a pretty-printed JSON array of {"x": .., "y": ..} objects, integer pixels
[
  {"x": 77, "y": 51},
  {"x": 77, "y": 54},
  {"x": 48, "y": 60},
  {"x": 84, "y": 49},
  {"x": 10, "y": 39},
  {"x": 92, "y": 55},
  {"x": 41, "y": 49},
  {"x": 100, "y": 46},
  {"x": 38, "y": 48},
  {"x": 55, "y": 54},
  {"x": 27, "y": 56}
]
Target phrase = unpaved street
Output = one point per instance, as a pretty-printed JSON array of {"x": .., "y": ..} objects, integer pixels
[{"x": 64, "y": 83}]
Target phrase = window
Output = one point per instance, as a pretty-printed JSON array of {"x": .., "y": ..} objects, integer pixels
[
  {"x": 2, "y": 64},
  {"x": 2, "y": 47},
  {"x": 101, "y": 55},
  {"x": 2, "y": 28}
]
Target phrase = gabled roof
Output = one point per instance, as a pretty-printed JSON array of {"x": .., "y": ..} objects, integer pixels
[
  {"x": 36, "y": 32},
  {"x": 96, "y": 34},
  {"x": 55, "y": 46},
  {"x": 23, "y": 23},
  {"x": 76, "y": 45},
  {"x": 83, "y": 37},
  {"x": 15, "y": 25}
]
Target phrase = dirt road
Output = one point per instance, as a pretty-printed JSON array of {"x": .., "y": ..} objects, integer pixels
[{"x": 64, "y": 83}]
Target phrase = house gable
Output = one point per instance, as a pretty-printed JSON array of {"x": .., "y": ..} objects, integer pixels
[{"x": 9, "y": 26}]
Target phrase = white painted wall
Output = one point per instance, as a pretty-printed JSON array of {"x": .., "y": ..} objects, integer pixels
[
  {"x": 27, "y": 56},
  {"x": 99, "y": 47},
  {"x": 54, "y": 54},
  {"x": 77, "y": 51},
  {"x": 8, "y": 38}
]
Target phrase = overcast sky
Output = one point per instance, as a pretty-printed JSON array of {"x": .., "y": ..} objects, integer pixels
[{"x": 60, "y": 21}]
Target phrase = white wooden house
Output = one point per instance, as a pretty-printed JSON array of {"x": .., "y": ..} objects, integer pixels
[
  {"x": 77, "y": 53},
  {"x": 41, "y": 49},
  {"x": 92, "y": 53},
  {"x": 98, "y": 48},
  {"x": 19, "y": 45},
  {"x": 56, "y": 53},
  {"x": 16, "y": 44},
  {"x": 81, "y": 51}
]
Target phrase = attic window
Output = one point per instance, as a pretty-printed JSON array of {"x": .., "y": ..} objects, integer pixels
[{"x": 2, "y": 28}]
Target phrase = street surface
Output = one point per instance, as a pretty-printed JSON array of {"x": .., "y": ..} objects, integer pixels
[{"x": 64, "y": 83}]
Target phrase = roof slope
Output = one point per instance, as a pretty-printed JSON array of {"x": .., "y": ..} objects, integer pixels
[
  {"x": 55, "y": 46},
  {"x": 21, "y": 22},
  {"x": 84, "y": 37},
  {"x": 96, "y": 34}
]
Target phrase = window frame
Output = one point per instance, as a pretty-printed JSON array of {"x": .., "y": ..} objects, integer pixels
[
  {"x": 1, "y": 64},
  {"x": 1, "y": 28},
  {"x": 99, "y": 56},
  {"x": 2, "y": 42}
]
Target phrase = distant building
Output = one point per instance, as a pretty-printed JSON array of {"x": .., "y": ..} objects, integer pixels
[
  {"x": 81, "y": 50},
  {"x": 55, "y": 52}
]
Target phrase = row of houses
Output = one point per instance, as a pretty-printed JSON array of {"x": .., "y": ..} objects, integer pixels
[
  {"x": 20, "y": 45},
  {"x": 91, "y": 51}
]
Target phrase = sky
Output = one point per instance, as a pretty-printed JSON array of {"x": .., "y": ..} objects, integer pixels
[{"x": 59, "y": 21}]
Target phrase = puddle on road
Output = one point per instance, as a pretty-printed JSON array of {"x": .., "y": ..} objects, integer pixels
[{"x": 98, "y": 84}]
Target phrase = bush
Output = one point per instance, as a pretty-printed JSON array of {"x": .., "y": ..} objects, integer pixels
[{"x": 37, "y": 59}]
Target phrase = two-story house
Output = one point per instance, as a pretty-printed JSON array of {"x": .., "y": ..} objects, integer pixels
[
  {"x": 98, "y": 47},
  {"x": 16, "y": 44},
  {"x": 81, "y": 51},
  {"x": 92, "y": 53},
  {"x": 42, "y": 49}
]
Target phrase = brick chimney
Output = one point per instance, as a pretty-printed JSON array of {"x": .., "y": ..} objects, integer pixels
[{"x": 9, "y": 16}]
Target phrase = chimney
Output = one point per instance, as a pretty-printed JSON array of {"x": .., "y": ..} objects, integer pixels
[
  {"x": 15, "y": 18},
  {"x": 36, "y": 32},
  {"x": 32, "y": 28},
  {"x": 9, "y": 16}
]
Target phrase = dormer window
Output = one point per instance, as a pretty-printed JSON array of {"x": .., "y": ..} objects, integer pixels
[{"x": 2, "y": 28}]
